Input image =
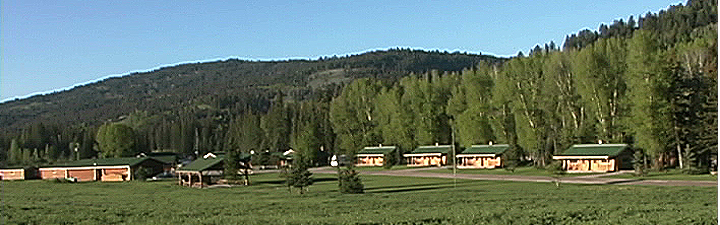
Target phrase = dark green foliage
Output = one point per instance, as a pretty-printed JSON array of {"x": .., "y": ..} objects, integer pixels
[
  {"x": 232, "y": 165},
  {"x": 142, "y": 173},
  {"x": 390, "y": 159},
  {"x": 349, "y": 181},
  {"x": 116, "y": 140},
  {"x": 640, "y": 162}
]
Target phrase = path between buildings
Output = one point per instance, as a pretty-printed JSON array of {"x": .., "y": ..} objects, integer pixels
[{"x": 590, "y": 179}]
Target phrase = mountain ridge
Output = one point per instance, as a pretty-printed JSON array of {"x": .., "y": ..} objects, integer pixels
[{"x": 168, "y": 87}]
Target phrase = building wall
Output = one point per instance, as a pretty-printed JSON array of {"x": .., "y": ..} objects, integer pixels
[
  {"x": 82, "y": 174},
  {"x": 370, "y": 161},
  {"x": 480, "y": 162},
  {"x": 426, "y": 160},
  {"x": 14, "y": 174},
  {"x": 52, "y": 173},
  {"x": 115, "y": 174},
  {"x": 590, "y": 165}
]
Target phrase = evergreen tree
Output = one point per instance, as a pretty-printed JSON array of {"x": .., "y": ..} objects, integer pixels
[
  {"x": 298, "y": 175},
  {"x": 16, "y": 153},
  {"x": 277, "y": 125},
  {"x": 349, "y": 181}
]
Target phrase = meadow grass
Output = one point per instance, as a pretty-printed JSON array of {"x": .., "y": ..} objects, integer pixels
[
  {"x": 671, "y": 174},
  {"x": 388, "y": 200}
]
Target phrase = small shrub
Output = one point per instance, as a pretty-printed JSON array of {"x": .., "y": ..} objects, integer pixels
[
  {"x": 349, "y": 181},
  {"x": 297, "y": 176}
]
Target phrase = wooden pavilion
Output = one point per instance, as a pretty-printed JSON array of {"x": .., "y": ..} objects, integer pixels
[
  {"x": 588, "y": 158},
  {"x": 199, "y": 173},
  {"x": 373, "y": 156},
  {"x": 482, "y": 156},
  {"x": 434, "y": 155},
  {"x": 206, "y": 170}
]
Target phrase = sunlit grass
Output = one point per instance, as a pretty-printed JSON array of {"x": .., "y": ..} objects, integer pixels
[{"x": 405, "y": 200}]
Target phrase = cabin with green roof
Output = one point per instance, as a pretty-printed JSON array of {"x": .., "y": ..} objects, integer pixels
[
  {"x": 374, "y": 155},
  {"x": 482, "y": 156},
  {"x": 593, "y": 158},
  {"x": 433, "y": 155},
  {"x": 105, "y": 169}
]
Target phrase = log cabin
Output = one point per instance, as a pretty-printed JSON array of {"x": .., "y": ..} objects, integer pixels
[
  {"x": 596, "y": 158},
  {"x": 433, "y": 155},
  {"x": 482, "y": 156},
  {"x": 107, "y": 169},
  {"x": 373, "y": 156}
]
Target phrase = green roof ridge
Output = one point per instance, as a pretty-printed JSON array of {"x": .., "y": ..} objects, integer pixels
[
  {"x": 486, "y": 149},
  {"x": 595, "y": 150}
]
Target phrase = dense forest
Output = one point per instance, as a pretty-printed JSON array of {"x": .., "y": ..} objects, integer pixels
[{"x": 651, "y": 83}]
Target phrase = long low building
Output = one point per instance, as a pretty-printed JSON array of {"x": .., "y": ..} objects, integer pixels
[
  {"x": 482, "y": 156},
  {"x": 107, "y": 169},
  {"x": 590, "y": 158}
]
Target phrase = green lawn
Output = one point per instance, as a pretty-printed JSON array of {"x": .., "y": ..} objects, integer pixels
[
  {"x": 389, "y": 200},
  {"x": 668, "y": 175},
  {"x": 525, "y": 171}
]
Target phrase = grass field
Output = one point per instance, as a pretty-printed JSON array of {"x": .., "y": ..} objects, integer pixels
[
  {"x": 525, "y": 171},
  {"x": 388, "y": 200},
  {"x": 668, "y": 175}
]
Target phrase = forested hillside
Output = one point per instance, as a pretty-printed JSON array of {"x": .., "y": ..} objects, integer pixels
[
  {"x": 650, "y": 83},
  {"x": 176, "y": 103}
]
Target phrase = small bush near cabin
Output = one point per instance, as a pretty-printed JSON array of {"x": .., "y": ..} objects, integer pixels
[{"x": 349, "y": 181}]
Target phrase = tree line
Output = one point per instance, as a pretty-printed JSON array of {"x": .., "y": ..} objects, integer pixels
[{"x": 630, "y": 83}]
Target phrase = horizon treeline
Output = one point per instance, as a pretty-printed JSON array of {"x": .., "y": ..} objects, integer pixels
[{"x": 651, "y": 83}]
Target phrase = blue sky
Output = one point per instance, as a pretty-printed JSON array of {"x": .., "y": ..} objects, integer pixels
[{"x": 51, "y": 45}]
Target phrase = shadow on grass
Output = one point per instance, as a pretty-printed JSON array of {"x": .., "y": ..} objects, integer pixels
[
  {"x": 282, "y": 181},
  {"x": 625, "y": 181},
  {"x": 324, "y": 179},
  {"x": 277, "y": 182},
  {"x": 418, "y": 187}
]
